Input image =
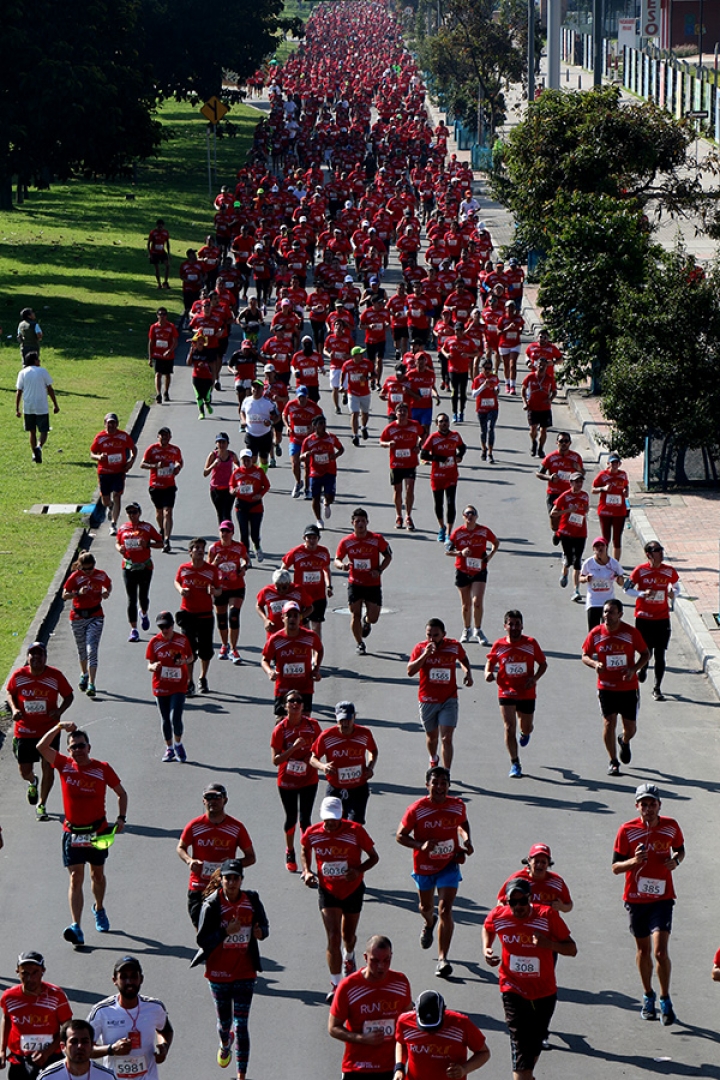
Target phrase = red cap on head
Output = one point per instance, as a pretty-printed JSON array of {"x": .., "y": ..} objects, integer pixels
[{"x": 539, "y": 849}]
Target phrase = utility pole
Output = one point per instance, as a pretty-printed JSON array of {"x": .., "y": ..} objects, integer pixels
[
  {"x": 598, "y": 42},
  {"x": 553, "y": 44},
  {"x": 531, "y": 50},
  {"x": 700, "y": 37}
]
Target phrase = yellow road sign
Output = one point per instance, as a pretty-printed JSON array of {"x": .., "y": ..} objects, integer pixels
[{"x": 214, "y": 109}]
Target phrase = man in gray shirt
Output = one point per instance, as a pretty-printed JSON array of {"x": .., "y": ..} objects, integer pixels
[
  {"x": 33, "y": 387},
  {"x": 29, "y": 333}
]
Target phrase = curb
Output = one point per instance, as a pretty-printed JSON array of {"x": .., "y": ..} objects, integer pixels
[
  {"x": 700, "y": 638},
  {"x": 48, "y": 614}
]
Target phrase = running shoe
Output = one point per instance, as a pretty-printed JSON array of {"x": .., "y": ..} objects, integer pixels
[
  {"x": 273, "y": 463},
  {"x": 278, "y": 450},
  {"x": 364, "y": 433},
  {"x": 448, "y": 544},
  {"x": 158, "y": 399},
  {"x": 366, "y": 628},
  {"x": 224, "y": 1054},
  {"x": 478, "y": 638},
  {"x": 42, "y": 814},
  {"x": 112, "y": 528},
  {"x": 658, "y": 694},
  {"x": 319, "y": 523},
  {"x": 169, "y": 754},
  {"x": 349, "y": 965},
  {"x": 546, "y": 1044},
  {"x": 455, "y": 418},
  {"x": 90, "y": 690},
  {"x": 398, "y": 522},
  {"x": 442, "y": 535},
  {"x": 134, "y": 636},
  {"x": 190, "y": 690},
  {"x": 356, "y": 440},
  {"x": 74, "y": 934},
  {"x": 83, "y": 683},
  {"x": 564, "y": 578},
  {"x": 533, "y": 448},
  {"x": 625, "y": 754},
  {"x": 426, "y": 937},
  {"x": 434, "y": 761},
  {"x": 491, "y": 459},
  {"x": 515, "y": 771},
  {"x": 308, "y": 495},
  {"x": 209, "y": 408},
  {"x": 224, "y": 652},
  {"x": 667, "y": 1013},
  {"x": 166, "y": 547},
  {"x": 180, "y": 752},
  {"x": 483, "y": 455},
  {"x": 235, "y": 657},
  {"x": 461, "y": 417},
  {"x": 361, "y": 650},
  {"x": 144, "y": 621},
  {"x": 409, "y": 524},
  {"x": 555, "y": 539},
  {"x": 330, "y": 996},
  {"x": 524, "y": 739},
  {"x": 218, "y": 385},
  {"x": 648, "y": 1007},
  {"x": 259, "y": 553},
  {"x": 32, "y": 791},
  {"x": 37, "y": 455},
  {"x": 576, "y": 597},
  {"x": 204, "y": 688},
  {"x": 443, "y": 969},
  {"x": 102, "y": 923},
  {"x": 614, "y": 768},
  {"x": 297, "y": 490},
  {"x": 465, "y": 636},
  {"x": 166, "y": 396},
  {"x": 290, "y": 861}
]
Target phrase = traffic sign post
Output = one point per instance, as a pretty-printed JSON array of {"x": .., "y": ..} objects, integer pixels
[{"x": 213, "y": 110}]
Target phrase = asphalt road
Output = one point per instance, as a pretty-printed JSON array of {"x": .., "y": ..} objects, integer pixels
[{"x": 565, "y": 799}]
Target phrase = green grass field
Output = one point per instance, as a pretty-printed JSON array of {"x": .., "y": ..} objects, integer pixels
[{"x": 76, "y": 254}]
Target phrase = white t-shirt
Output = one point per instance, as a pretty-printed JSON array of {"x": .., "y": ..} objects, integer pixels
[
  {"x": 111, "y": 1022},
  {"x": 601, "y": 586},
  {"x": 256, "y": 410},
  {"x": 34, "y": 381}
]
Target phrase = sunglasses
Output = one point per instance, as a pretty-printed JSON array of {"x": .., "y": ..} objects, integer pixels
[
  {"x": 469, "y": 513},
  {"x": 519, "y": 901},
  {"x": 211, "y": 798},
  {"x": 653, "y": 550},
  {"x": 78, "y": 746}
]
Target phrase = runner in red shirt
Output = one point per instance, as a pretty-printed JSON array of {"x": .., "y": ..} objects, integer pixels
[
  {"x": 547, "y": 886},
  {"x": 338, "y": 847},
  {"x": 163, "y": 339},
  {"x": 319, "y": 453},
  {"x": 37, "y": 695},
  {"x": 356, "y": 375},
  {"x": 198, "y": 581},
  {"x": 87, "y": 587},
  {"x": 207, "y": 841},
  {"x": 84, "y": 782},
  {"x": 163, "y": 460},
  {"x": 520, "y": 663},
  {"x": 376, "y": 322},
  {"x": 272, "y": 599},
  {"x": 232, "y": 560},
  {"x": 291, "y": 745},
  {"x": 403, "y": 436},
  {"x": 169, "y": 655},
  {"x": 610, "y": 649},
  {"x": 365, "y": 1010},
  {"x": 350, "y": 755},
  {"x": 437, "y": 830},
  {"x": 568, "y": 520},
  {"x": 190, "y": 273},
  {"x": 368, "y": 556},
  {"x": 135, "y": 542},
  {"x": 311, "y": 565},
  {"x": 444, "y": 449},
  {"x": 557, "y": 468},
  {"x": 468, "y": 545},
  {"x": 485, "y": 388},
  {"x": 531, "y": 936},
  {"x": 308, "y": 366},
  {"x": 613, "y": 487},
  {"x": 543, "y": 347},
  {"x": 654, "y": 585},
  {"x": 115, "y": 453},
  {"x": 538, "y": 391},
  {"x": 158, "y": 249},
  {"x": 433, "y": 1043},
  {"x": 435, "y": 661},
  {"x": 32, "y": 1015},
  {"x": 292, "y": 658},
  {"x": 249, "y": 484},
  {"x": 647, "y": 851}
]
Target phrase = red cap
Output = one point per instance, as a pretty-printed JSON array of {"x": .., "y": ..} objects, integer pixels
[{"x": 539, "y": 849}]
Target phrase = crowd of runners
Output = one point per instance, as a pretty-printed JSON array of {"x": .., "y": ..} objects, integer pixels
[{"x": 346, "y": 172}]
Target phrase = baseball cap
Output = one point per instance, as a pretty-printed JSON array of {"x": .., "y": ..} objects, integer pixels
[
  {"x": 599, "y": 540},
  {"x": 215, "y": 789},
  {"x": 232, "y": 866},
  {"x": 539, "y": 849},
  {"x": 37, "y": 646},
  {"x": 344, "y": 710},
  {"x": 331, "y": 809},
  {"x": 164, "y": 431},
  {"x": 348, "y": 280},
  {"x": 576, "y": 476},
  {"x": 311, "y": 530},
  {"x": 222, "y": 436},
  {"x": 292, "y": 605},
  {"x": 269, "y": 367},
  {"x": 112, "y": 416},
  {"x": 647, "y": 791},
  {"x": 518, "y": 884},
  {"x": 127, "y": 961},
  {"x": 302, "y": 391},
  {"x": 165, "y": 618},
  {"x": 614, "y": 456},
  {"x": 226, "y": 526},
  {"x": 31, "y": 957},
  {"x": 133, "y": 506},
  {"x": 257, "y": 382},
  {"x": 357, "y": 351},
  {"x": 246, "y": 453},
  {"x": 429, "y": 1010}
]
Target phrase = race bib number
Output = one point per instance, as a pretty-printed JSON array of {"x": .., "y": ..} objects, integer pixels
[
  {"x": 361, "y": 564},
  {"x": 114, "y": 459},
  {"x": 440, "y": 674},
  {"x": 227, "y": 567},
  {"x": 300, "y": 429},
  {"x": 525, "y": 965},
  {"x": 298, "y": 768},
  {"x": 276, "y": 606},
  {"x": 519, "y": 668},
  {"x": 425, "y": 391},
  {"x": 293, "y": 670},
  {"x": 133, "y": 543},
  {"x": 599, "y": 584},
  {"x": 396, "y": 397},
  {"x": 386, "y": 1027},
  {"x": 656, "y": 596},
  {"x": 474, "y": 564},
  {"x": 35, "y": 1042},
  {"x": 576, "y": 519},
  {"x": 357, "y": 377},
  {"x": 613, "y": 500},
  {"x": 162, "y": 344},
  {"x": 442, "y": 849},
  {"x": 487, "y": 402},
  {"x": 334, "y": 869},
  {"x": 166, "y": 470},
  {"x": 563, "y": 475},
  {"x": 209, "y": 868},
  {"x": 170, "y": 673},
  {"x": 129, "y": 1066},
  {"x": 446, "y": 464},
  {"x": 308, "y": 372},
  {"x": 403, "y": 453},
  {"x": 349, "y": 772},
  {"x": 322, "y": 459},
  {"x": 616, "y": 661},
  {"x": 238, "y": 940},
  {"x": 82, "y": 839},
  {"x": 37, "y": 707},
  {"x": 311, "y": 577},
  {"x": 650, "y": 886},
  {"x": 246, "y": 489}
]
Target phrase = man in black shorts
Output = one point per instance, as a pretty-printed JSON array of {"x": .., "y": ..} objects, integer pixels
[
  {"x": 164, "y": 461},
  {"x": 538, "y": 391},
  {"x": 198, "y": 581},
  {"x": 368, "y": 556}
]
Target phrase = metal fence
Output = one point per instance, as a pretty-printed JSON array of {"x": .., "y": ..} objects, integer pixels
[{"x": 667, "y": 465}]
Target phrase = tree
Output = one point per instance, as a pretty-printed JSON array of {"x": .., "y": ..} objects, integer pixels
[{"x": 663, "y": 376}]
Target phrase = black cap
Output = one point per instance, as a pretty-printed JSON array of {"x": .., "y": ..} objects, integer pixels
[
  {"x": 31, "y": 958},
  {"x": 429, "y": 1010},
  {"x": 38, "y": 646},
  {"x": 215, "y": 789},
  {"x": 232, "y": 866},
  {"x": 518, "y": 884},
  {"x": 127, "y": 961},
  {"x": 165, "y": 618}
]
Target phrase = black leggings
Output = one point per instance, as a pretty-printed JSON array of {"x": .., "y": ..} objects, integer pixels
[
  {"x": 459, "y": 381},
  {"x": 298, "y": 802},
  {"x": 137, "y": 584},
  {"x": 439, "y": 499},
  {"x": 203, "y": 390},
  {"x": 223, "y": 502},
  {"x": 249, "y": 524}
]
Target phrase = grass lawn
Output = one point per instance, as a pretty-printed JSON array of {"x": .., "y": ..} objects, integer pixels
[{"x": 76, "y": 254}]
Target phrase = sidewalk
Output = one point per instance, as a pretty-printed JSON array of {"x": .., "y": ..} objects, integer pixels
[{"x": 687, "y": 524}]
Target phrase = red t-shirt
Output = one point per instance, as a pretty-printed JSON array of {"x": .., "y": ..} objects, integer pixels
[
  {"x": 478, "y": 540},
  {"x": 348, "y": 753},
  {"x": 309, "y": 568},
  {"x": 652, "y": 880},
  {"x": 460, "y": 352},
  {"x": 212, "y": 844},
  {"x": 37, "y": 698},
  {"x": 118, "y": 447},
  {"x": 539, "y": 392},
  {"x": 157, "y": 240},
  {"x": 32, "y": 1021},
  {"x": 526, "y": 969},
  {"x": 428, "y": 1053},
  {"x": 551, "y": 888},
  {"x": 293, "y": 659},
  {"x": 658, "y": 581},
  {"x": 438, "y": 677},
  {"x": 574, "y": 508},
  {"x": 246, "y": 483},
  {"x": 363, "y": 556},
  {"x": 296, "y": 772},
  {"x": 337, "y": 852},
  {"x": 356, "y": 375},
  {"x": 612, "y": 502},
  {"x": 231, "y": 560},
  {"x": 170, "y": 677},
  {"x": 487, "y": 400},
  {"x": 323, "y": 451},
  {"x": 307, "y": 368},
  {"x": 516, "y": 662},
  {"x": 299, "y": 416},
  {"x": 365, "y": 1007},
  {"x": 163, "y": 460},
  {"x": 135, "y": 541},
  {"x": 272, "y": 602},
  {"x": 83, "y": 789},
  {"x": 560, "y": 468},
  {"x": 617, "y": 651},
  {"x": 95, "y": 583},
  {"x": 405, "y": 440},
  {"x": 444, "y": 472},
  {"x": 230, "y": 960},
  {"x": 163, "y": 341},
  {"x": 375, "y": 322},
  {"x": 199, "y": 582},
  {"x": 396, "y": 393},
  {"x": 438, "y": 822}
]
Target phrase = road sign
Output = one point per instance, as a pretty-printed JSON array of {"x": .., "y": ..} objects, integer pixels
[
  {"x": 697, "y": 114},
  {"x": 214, "y": 109}
]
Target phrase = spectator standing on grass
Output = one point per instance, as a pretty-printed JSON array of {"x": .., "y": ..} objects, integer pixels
[
  {"x": 29, "y": 333},
  {"x": 33, "y": 387}
]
